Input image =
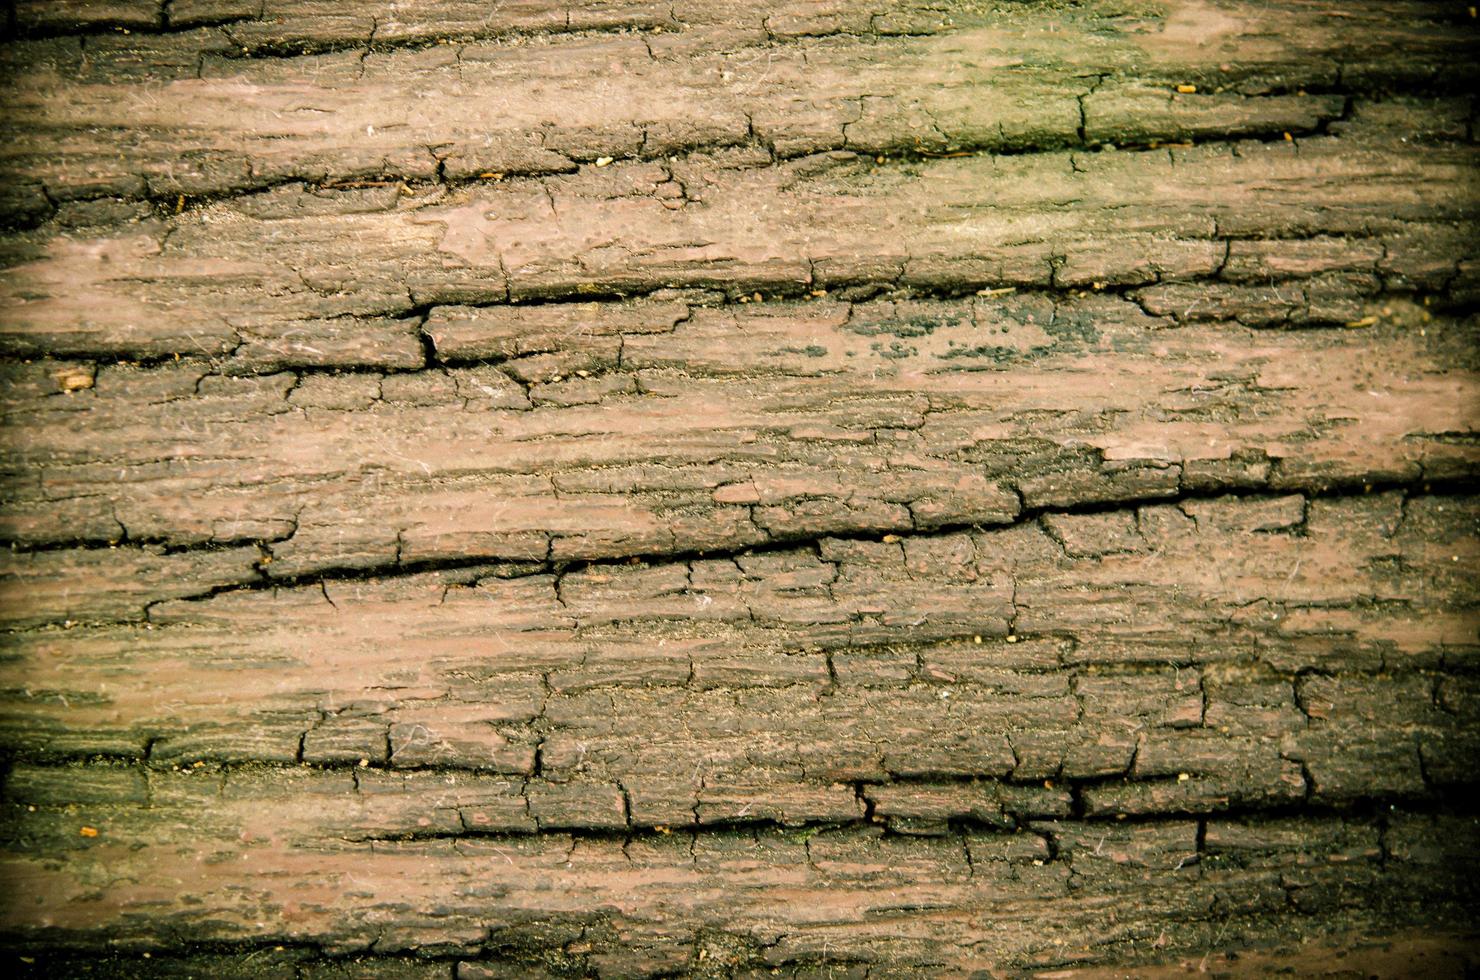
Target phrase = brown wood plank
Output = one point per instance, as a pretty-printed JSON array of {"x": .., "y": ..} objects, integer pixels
[{"x": 733, "y": 490}]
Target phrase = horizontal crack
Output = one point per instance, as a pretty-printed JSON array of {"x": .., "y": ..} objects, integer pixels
[
  {"x": 225, "y": 45},
  {"x": 478, "y": 569},
  {"x": 891, "y": 152},
  {"x": 1021, "y": 818},
  {"x": 853, "y": 293}
]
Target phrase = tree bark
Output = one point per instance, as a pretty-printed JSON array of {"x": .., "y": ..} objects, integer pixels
[{"x": 644, "y": 489}]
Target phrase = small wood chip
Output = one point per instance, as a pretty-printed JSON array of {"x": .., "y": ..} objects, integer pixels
[{"x": 74, "y": 380}]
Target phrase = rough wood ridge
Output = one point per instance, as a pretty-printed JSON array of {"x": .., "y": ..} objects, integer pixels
[{"x": 942, "y": 488}]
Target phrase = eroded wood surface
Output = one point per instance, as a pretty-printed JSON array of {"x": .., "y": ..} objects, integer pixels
[{"x": 644, "y": 489}]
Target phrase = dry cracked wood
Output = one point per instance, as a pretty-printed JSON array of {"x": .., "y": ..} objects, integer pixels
[
  {"x": 631, "y": 489},
  {"x": 454, "y": 89}
]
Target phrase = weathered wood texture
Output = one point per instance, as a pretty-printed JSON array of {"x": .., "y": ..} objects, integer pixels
[{"x": 627, "y": 489}]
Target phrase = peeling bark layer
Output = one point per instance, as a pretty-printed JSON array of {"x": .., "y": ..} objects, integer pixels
[{"x": 637, "y": 489}]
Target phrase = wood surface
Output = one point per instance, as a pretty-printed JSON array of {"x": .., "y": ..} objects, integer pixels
[{"x": 838, "y": 488}]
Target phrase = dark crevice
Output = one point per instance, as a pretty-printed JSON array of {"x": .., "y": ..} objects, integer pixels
[
  {"x": 1016, "y": 820},
  {"x": 168, "y": 205},
  {"x": 416, "y": 313},
  {"x": 479, "y": 567}
]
